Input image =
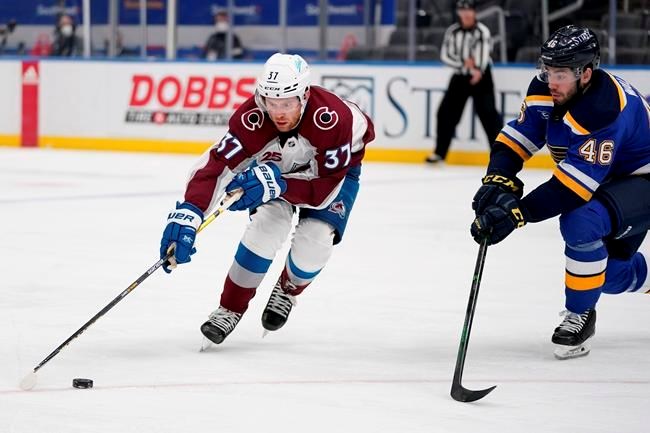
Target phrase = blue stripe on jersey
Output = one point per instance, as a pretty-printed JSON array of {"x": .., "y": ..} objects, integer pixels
[
  {"x": 303, "y": 275},
  {"x": 251, "y": 261}
]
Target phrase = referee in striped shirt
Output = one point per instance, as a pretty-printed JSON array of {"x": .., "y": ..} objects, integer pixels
[{"x": 466, "y": 47}]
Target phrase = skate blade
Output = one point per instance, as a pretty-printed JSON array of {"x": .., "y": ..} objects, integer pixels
[
  {"x": 205, "y": 344},
  {"x": 570, "y": 352},
  {"x": 265, "y": 333}
]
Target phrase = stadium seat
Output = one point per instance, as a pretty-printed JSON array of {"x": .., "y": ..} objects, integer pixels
[
  {"x": 624, "y": 21},
  {"x": 528, "y": 54},
  {"x": 363, "y": 53},
  {"x": 632, "y": 56}
]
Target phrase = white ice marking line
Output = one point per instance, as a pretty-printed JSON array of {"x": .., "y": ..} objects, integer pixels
[{"x": 335, "y": 382}]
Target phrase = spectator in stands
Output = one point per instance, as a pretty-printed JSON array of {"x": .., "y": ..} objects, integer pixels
[
  {"x": 349, "y": 42},
  {"x": 215, "y": 46},
  {"x": 5, "y": 31},
  {"x": 466, "y": 48},
  {"x": 43, "y": 46},
  {"x": 66, "y": 43}
]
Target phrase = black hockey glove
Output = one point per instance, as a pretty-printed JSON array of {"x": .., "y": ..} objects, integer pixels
[
  {"x": 497, "y": 221},
  {"x": 495, "y": 184}
]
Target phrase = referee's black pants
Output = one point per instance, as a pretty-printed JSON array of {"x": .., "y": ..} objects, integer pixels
[{"x": 453, "y": 103}]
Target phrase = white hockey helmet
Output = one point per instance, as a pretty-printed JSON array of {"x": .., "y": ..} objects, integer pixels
[{"x": 283, "y": 76}]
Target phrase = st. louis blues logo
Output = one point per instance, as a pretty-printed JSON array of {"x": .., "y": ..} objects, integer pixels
[{"x": 338, "y": 207}]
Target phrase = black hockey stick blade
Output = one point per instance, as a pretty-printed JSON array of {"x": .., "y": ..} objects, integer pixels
[
  {"x": 465, "y": 395},
  {"x": 458, "y": 392}
]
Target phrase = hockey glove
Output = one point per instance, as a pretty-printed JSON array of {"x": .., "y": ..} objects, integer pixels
[
  {"x": 498, "y": 220},
  {"x": 495, "y": 184},
  {"x": 179, "y": 234},
  {"x": 260, "y": 184}
]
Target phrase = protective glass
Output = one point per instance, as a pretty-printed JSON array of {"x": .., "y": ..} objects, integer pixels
[{"x": 550, "y": 74}]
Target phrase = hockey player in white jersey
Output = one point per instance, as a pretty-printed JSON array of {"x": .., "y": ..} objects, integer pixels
[{"x": 293, "y": 148}]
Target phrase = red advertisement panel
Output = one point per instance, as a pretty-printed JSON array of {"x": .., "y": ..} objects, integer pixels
[{"x": 29, "y": 127}]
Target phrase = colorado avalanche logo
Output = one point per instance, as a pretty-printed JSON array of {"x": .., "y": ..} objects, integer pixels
[
  {"x": 338, "y": 207},
  {"x": 252, "y": 119},
  {"x": 325, "y": 119}
]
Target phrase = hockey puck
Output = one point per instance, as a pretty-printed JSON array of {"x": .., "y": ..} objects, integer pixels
[{"x": 82, "y": 383}]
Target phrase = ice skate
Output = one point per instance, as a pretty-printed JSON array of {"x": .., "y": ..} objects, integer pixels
[
  {"x": 572, "y": 334},
  {"x": 219, "y": 325},
  {"x": 277, "y": 310},
  {"x": 434, "y": 159}
]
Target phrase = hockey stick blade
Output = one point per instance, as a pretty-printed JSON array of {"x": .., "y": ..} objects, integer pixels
[
  {"x": 458, "y": 392},
  {"x": 462, "y": 394}
]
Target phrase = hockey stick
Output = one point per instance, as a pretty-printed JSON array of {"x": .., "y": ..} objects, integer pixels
[
  {"x": 30, "y": 379},
  {"x": 458, "y": 392}
]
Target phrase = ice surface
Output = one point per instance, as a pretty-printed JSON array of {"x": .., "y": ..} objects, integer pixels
[{"x": 370, "y": 348}]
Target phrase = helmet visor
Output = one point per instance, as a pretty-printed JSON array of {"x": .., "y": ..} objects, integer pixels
[
  {"x": 557, "y": 75},
  {"x": 282, "y": 105}
]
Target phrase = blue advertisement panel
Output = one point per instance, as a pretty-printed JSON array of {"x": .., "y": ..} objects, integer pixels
[
  {"x": 196, "y": 12},
  {"x": 341, "y": 12},
  {"x": 39, "y": 12},
  {"x": 246, "y": 12},
  {"x": 129, "y": 11},
  {"x": 200, "y": 12}
]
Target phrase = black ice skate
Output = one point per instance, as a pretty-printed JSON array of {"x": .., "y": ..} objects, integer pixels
[
  {"x": 277, "y": 310},
  {"x": 434, "y": 158},
  {"x": 572, "y": 334},
  {"x": 219, "y": 325}
]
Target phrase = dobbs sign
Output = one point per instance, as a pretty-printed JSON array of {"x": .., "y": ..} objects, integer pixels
[{"x": 186, "y": 100}]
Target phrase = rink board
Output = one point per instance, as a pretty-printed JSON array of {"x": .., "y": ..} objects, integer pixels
[{"x": 183, "y": 107}]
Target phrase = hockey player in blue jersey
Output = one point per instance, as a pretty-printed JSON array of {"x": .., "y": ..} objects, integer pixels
[{"x": 597, "y": 129}]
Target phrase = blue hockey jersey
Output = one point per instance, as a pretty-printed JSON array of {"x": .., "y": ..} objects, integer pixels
[{"x": 603, "y": 134}]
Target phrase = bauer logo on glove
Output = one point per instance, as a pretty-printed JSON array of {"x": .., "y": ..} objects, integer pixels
[
  {"x": 269, "y": 180},
  {"x": 260, "y": 185},
  {"x": 180, "y": 232},
  {"x": 173, "y": 215}
]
